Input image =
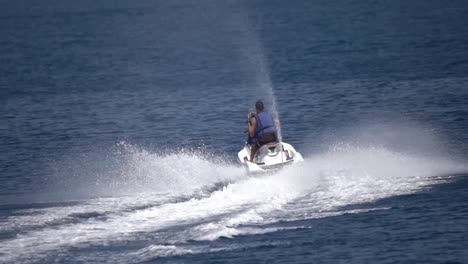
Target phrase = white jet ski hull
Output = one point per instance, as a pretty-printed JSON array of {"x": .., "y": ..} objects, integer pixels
[{"x": 269, "y": 157}]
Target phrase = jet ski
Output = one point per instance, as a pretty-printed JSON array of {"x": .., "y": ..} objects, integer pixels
[{"x": 269, "y": 157}]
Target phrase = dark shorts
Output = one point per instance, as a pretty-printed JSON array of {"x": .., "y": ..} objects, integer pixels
[{"x": 267, "y": 138}]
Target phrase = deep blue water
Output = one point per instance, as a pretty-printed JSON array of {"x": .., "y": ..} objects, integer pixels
[{"x": 120, "y": 122}]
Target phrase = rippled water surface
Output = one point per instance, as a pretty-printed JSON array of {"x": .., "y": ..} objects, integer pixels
[{"x": 120, "y": 123}]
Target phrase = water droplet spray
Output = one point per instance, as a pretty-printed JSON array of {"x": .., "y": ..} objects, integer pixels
[{"x": 264, "y": 87}]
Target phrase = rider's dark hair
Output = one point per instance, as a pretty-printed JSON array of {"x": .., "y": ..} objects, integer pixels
[{"x": 259, "y": 105}]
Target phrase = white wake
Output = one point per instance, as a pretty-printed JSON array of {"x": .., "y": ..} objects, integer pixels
[{"x": 198, "y": 199}]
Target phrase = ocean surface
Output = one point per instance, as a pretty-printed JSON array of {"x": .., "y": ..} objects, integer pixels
[{"x": 120, "y": 123}]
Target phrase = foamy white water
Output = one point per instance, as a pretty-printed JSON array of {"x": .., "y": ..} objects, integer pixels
[{"x": 191, "y": 207}]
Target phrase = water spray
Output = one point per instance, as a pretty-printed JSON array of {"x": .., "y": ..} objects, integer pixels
[{"x": 255, "y": 53}]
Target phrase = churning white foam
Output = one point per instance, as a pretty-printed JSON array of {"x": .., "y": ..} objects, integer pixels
[
  {"x": 319, "y": 187},
  {"x": 129, "y": 170}
]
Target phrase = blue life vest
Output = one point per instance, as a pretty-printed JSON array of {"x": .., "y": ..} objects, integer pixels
[{"x": 265, "y": 125}]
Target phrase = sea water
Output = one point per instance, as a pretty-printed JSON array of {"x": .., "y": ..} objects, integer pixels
[{"x": 120, "y": 122}]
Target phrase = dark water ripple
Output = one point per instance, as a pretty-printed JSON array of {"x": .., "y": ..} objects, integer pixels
[{"x": 103, "y": 99}]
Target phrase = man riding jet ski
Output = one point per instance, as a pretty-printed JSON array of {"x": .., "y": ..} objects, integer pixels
[
  {"x": 262, "y": 129},
  {"x": 263, "y": 150}
]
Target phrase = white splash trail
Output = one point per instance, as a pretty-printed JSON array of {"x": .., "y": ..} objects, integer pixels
[{"x": 316, "y": 188}]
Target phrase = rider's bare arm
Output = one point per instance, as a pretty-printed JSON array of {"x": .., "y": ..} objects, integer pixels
[{"x": 252, "y": 124}]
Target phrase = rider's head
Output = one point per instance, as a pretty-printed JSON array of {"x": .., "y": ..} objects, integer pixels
[{"x": 259, "y": 106}]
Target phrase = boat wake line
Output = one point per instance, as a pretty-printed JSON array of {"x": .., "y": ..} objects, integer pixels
[{"x": 166, "y": 203}]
